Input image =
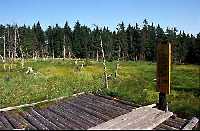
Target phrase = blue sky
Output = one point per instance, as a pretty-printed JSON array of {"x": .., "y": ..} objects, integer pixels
[{"x": 183, "y": 14}]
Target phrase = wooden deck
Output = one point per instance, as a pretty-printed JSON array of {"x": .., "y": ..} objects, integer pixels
[{"x": 86, "y": 111}]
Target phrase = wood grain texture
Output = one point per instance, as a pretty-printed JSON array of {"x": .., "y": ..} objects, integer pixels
[{"x": 140, "y": 118}]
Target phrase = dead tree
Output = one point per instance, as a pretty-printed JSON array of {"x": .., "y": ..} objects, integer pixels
[
  {"x": 104, "y": 63},
  {"x": 69, "y": 53},
  {"x": 64, "y": 47},
  {"x": 20, "y": 48},
  {"x": 4, "y": 52},
  {"x": 15, "y": 44},
  {"x": 117, "y": 65}
]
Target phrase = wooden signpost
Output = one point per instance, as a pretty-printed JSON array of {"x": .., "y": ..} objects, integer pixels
[{"x": 163, "y": 72}]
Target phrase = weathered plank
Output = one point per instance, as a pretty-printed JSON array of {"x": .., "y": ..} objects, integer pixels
[
  {"x": 43, "y": 120},
  {"x": 123, "y": 118},
  {"x": 5, "y": 122},
  {"x": 22, "y": 121},
  {"x": 90, "y": 111},
  {"x": 2, "y": 127},
  {"x": 174, "y": 123},
  {"x": 92, "y": 105},
  {"x": 54, "y": 118},
  {"x": 166, "y": 127},
  {"x": 127, "y": 104},
  {"x": 108, "y": 105},
  {"x": 17, "y": 121},
  {"x": 151, "y": 121},
  {"x": 141, "y": 118},
  {"x": 60, "y": 113},
  {"x": 191, "y": 124},
  {"x": 36, "y": 123},
  {"x": 72, "y": 117},
  {"x": 102, "y": 107},
  {"x": 84, "y": 118},
  {"x": 86, "y": 115}
]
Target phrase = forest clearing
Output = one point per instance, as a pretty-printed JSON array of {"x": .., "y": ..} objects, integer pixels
[{"x": 135, "y": 82}]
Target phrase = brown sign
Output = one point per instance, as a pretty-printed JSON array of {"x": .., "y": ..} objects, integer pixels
[{"x": 163, "y": 67}]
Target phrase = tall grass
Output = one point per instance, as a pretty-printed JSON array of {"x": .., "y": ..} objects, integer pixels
[{"x": 55, "y": 78}]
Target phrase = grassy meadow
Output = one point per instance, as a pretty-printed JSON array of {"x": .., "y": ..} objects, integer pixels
[{"x": 135, "y": 83}]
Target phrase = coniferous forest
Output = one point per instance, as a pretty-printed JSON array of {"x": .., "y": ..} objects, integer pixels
[{"x": 130, "y": 42}]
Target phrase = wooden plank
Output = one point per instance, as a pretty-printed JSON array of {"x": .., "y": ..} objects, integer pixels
[
  {"x": 24, "y": 122},
  {"x": 163, "y": 67},
  {"x": 91, "y": 105},
  {"x": 5, "y": 122},
  {"x": 81, "y": 116},
  {"x": 2, "y": 127},
  {"x": 140, "y": 118},
  {"x": 163, "y": 126},
  {"x": 86, "y": 115},
  {"x": 74, "y": 118},
  {"x": 130, "y": 105},
  {"x": 90, "y": 111},
  {"x": 191, "y": 124},
  {"x": 173, "y": 123},
  {"x": 151, "y": 121},
  {"x": 104, "y": 106},
  {"x": 54, "y": 118},
  {"x": 43, "y": 120},
  {"x": 36, "y": 123},
  {"x": 17, "y": 121},
  {"x": 159, "y": 128},
  {"x": 112, "y": 105},
  {"x": 136, "y": 113},
  {"x": 60, "y": 113}
]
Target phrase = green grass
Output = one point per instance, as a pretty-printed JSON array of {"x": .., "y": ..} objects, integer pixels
[{"x": 135, "y": 83}]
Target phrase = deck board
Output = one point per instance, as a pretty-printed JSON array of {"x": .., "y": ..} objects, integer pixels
[
  {"x": 5, "y": 121},
  {"x": 141, "y": 118},
  {"x": 89, "y": 111}
]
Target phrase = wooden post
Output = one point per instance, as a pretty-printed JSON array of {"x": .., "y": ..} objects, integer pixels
[{"x": 163, "y": 72}]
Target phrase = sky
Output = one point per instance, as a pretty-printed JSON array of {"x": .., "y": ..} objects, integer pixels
[{"x": 182, "y": 14}]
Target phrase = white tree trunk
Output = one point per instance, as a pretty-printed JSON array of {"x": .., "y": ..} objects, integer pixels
[
  {"x": 69, "y": 54},
  {"x": 4, "y": 49},
  {"x": 64, "y": 51},
  {"x": 53, "y": 53},
  {"x": 15, "y": 45},
  {"x": 64, "y": 47},
  {"x": 117, "y": 65},
  {"x": 22, "y": 59},
  {"x": 104, "y": 63}
]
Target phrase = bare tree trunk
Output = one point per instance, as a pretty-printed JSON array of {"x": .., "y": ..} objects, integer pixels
[
  {"x": 22, "y": 58},
  {"x": 4, "y": 53},
  {"x": 9, "y": 44},
  {"x": 64, "y": 47},
  {"x": 53, "y": 53},
  {"x": 117, "y": 65},
  {"x": 69, "y": 52},
  {"x": 104, "y": 63},
  {"x": 4, "y": 48},
  {"x": 15, "y": 44},
  {"x": 63, "y": 51}
]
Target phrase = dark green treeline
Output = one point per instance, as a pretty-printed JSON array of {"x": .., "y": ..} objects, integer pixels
[{"x": 133, "y": 42}]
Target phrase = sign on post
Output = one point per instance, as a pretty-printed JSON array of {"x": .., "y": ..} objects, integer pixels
[{"x": 163, "y": 67}]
